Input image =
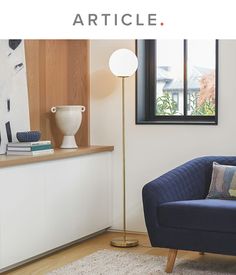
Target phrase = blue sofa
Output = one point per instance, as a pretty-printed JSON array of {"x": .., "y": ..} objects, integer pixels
[{"x": 178, "y": 215}]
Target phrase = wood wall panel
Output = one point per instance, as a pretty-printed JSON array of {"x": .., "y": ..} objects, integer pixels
[
  {"x": 58, "y": 74},
  {"x": 78, "y": 53}
]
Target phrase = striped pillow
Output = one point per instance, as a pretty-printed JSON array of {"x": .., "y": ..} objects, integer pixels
[{"x": 223, "y": 182}]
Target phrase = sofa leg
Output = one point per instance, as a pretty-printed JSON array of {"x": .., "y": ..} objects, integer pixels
[
  {"x": 171, "y": 260},
  {"x": 201, "y": 253}
]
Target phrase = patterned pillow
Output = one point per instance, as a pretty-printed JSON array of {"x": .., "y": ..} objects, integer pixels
[{"x": 223, "y": 182}]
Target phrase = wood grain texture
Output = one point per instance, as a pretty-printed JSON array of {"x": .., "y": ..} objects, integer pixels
[
  {"x": 78, "y": 82},
  {"x": 57, "y": 74},
  {"x": 6, "y": 161},
  {"x": 171, "y": 260}
]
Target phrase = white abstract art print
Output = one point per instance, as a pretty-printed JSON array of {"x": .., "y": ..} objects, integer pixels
[{"x": 14, "y": 107}]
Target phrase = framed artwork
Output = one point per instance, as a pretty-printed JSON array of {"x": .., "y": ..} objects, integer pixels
[{"x": 14, "y": 107}]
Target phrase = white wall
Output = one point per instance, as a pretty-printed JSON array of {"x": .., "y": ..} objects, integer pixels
[{"x": 154, "y": 149}]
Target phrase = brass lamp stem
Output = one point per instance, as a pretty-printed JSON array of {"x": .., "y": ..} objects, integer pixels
[
  {"x": 124, "y": 242},
  {"x": 123, "y": 155}
]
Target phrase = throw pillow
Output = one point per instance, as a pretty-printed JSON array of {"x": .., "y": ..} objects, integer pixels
[{"x": 223, "y": 182}]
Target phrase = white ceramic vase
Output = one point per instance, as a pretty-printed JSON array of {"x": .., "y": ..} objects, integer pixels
[{"x": 68, "y": 119}]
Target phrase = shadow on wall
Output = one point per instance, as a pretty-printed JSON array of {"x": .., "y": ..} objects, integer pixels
[{"x": 105, "y": 83}]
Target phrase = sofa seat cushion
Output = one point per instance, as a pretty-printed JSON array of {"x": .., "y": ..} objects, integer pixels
[{"x": 207, "y": 215}]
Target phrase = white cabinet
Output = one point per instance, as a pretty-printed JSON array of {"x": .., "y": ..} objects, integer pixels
[{"x": 49, "y": 204}]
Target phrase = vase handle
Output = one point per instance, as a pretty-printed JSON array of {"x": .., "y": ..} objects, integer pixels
[
  {"x": 83, "y": 109},
  {"x": 53, "y": 109}
]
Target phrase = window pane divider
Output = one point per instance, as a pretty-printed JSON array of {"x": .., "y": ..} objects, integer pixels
[{"x": 185, "y": 91}]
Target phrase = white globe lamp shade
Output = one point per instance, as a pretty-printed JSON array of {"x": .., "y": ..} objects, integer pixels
[{"x": 123, "y": 63}]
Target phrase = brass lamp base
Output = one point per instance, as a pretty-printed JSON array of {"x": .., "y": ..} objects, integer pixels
[{"x": 124, "y": 242}]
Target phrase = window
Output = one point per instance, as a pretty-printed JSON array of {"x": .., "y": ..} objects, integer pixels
[{"x": 177, "y": 82}]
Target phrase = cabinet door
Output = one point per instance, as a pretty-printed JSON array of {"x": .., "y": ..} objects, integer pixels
[
  {"x": 21, "y": 213},
  {"x": 49, "y": 204},
  {"x": 77, "y": 198},
  {"x": 94, "y": 193}
]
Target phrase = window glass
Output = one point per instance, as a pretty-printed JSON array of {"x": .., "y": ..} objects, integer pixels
[
  {"x": 201, "y": 77},
  {"x": 169, "y": 79}
]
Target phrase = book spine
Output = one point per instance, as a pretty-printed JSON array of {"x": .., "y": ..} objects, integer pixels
[
  {"x": 42, "y": 152},
  {"x": 29, "y": 148},
  {"x": 41, "y": 147},
  {"x": 19, "y": 149},
  {"x": 31, "y": 153},
  {"x": 40, "y": 142},
  {"x": 26, "y": 144}
]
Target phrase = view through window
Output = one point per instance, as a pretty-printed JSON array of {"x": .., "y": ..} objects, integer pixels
[{"x": 185, "y": 78}]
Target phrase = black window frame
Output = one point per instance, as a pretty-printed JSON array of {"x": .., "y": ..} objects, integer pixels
[{"x": 146, "y": 88}]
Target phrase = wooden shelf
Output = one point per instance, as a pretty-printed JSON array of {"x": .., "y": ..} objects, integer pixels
[{"x": 6, "y": 161}]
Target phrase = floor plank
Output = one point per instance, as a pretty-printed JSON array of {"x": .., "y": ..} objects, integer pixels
[{"x": 87, "y": 247}]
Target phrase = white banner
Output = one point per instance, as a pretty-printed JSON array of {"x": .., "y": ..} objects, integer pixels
[{"x": 105, "y": 19}]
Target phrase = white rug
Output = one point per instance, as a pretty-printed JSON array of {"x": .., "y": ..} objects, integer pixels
[{"x": 110, "y": 262}]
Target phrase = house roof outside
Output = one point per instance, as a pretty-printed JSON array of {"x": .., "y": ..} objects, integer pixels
[{"x": 176, "y": 85}]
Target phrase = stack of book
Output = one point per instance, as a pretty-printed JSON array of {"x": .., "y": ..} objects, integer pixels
[{"x": 30, "y": 148}]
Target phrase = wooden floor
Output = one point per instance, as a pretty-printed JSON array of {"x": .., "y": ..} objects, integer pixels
[{"x": 102, "y": 241}]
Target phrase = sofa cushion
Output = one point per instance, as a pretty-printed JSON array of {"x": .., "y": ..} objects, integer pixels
[
  {"x": 208, "y": 215},
  {"x": 223, "y": 182}
]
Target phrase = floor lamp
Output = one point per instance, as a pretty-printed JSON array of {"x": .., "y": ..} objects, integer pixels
[{"x": 123, "y": 63}]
